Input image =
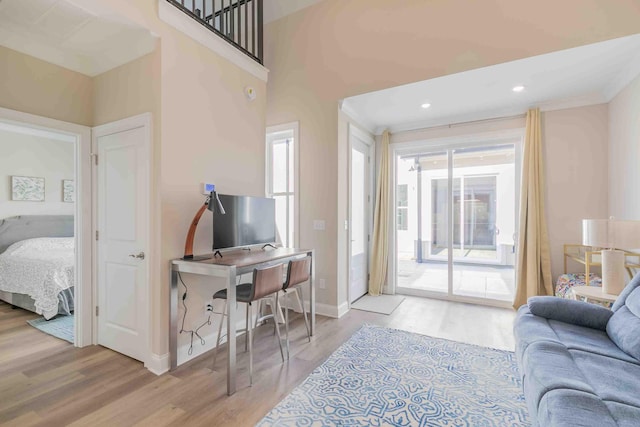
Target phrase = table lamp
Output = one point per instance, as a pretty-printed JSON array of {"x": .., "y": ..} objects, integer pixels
[
  {"x": 612, "y": 235},
  {"x": 213, "y": 204}
]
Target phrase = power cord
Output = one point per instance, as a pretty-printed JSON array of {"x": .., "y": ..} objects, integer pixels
[{"x": 184, "y": 317}]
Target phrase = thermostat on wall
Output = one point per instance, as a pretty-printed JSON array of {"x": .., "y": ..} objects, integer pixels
[{"x": 208, "y": 188}]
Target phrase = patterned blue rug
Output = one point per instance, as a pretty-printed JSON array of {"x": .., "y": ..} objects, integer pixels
[
  {"x": 387, "y": 377},
  {"x": 60, "y": 326}
]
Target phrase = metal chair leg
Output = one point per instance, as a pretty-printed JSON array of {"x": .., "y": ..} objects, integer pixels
[
  {"x": 286, "y": 319},
  {"x": 250, "y": 334},
  {"x": 246, "y": 335},
  {"x": 304, "y": 312},
  {"x": 274, "y": 303},
  {"x": 215, "y": 354}
]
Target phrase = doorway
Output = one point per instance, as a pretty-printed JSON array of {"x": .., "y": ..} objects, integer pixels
[
  {"x": 455, "y": 231},
  {"x": 75, "y": 187},
  {"x": 360, "y": 190}
]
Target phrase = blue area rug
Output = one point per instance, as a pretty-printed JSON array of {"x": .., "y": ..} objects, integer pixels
[
  {"x": 60, "y": 326},
  {"x": 387, "y": 377}
]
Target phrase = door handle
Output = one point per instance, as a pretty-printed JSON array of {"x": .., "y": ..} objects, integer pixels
[{"x": 139, "y": 256}]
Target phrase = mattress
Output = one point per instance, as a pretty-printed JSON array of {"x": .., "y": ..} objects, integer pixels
[{"x": 41, "y": 269}]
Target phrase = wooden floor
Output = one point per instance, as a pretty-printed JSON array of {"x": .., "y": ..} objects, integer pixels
[{"x": 45, "y": 381}]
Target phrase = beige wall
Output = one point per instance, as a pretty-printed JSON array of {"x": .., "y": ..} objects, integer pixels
[
  {"x": 210, "y": 132},
  {"x": 624, "y": 153},
  {"x": 576, "y": 168},
  {"x": 38, "y": 87},
  {"x": 337, "y": 48},
  {"x": 29, "y": 155}
]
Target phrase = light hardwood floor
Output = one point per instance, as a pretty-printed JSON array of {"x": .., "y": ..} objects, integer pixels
[{"x": 45, "y": 381}]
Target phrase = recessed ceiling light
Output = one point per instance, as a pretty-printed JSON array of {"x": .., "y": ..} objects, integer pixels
[
  {"x": 426, "y": 105},
  {"x": 518, "y": 88}
]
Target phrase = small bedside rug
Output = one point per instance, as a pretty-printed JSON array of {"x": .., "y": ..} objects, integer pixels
[
  {"x": 60, "y": 326},
  {"x": 387, "y": 377}
]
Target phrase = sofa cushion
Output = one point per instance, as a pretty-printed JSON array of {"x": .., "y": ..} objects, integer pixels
[
  {"x": 569, "y": 311},
  {"x": 622, "y": 298},
  {"x": 592, "y": 340},
  {"x": 624, "y": 326},
  {"x": 549, "y": 366},
  {"x": 573, "y": 408},
  {"x": 625, "y": 415},
  {"x": 612, "y": 379}
]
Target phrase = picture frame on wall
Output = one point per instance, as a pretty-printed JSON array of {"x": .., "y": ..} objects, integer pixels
[
  {"x": 27, "y": 189},
  {"x": 68, "y": 191}
]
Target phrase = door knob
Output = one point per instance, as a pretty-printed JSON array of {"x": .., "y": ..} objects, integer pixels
[{"x": 139, "y": 256}]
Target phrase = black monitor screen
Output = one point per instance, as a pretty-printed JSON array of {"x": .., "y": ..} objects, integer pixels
[{"x": 248, "y": 221}]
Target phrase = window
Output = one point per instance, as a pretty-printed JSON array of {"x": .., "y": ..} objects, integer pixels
[
  {"x": 282, "y": 179},
  {"x": 403, "y": 207}
]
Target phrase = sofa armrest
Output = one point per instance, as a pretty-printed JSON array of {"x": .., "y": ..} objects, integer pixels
[{"x": 570, "y": 311}]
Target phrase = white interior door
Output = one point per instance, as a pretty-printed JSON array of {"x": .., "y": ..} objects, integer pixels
[
  {"x": 122, "y": 224},
  {"x": 360, "y": 214}
]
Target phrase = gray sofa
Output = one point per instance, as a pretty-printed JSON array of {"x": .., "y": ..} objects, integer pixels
[{"x": 579, "y": 362}]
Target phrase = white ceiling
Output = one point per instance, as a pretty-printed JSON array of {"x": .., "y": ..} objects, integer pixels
[
  {"x": 585, "y": 75},
  {"x": 76, "y": 35},
  {"x": 276, "y": 9}
]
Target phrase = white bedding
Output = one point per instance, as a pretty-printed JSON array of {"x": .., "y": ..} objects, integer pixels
[{"x": 40, "y": 268}]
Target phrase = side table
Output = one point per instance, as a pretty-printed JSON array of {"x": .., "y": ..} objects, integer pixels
[{"x": 594, "y": 295}]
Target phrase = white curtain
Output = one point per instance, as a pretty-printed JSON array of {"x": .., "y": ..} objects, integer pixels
[
  {"x": 533, "y": 276},
  {"x": 380, "y": 246}
]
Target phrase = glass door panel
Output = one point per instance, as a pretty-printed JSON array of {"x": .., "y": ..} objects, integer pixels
[
  {"x": 484, "y": 218},
  {"x": 422, "y": 222}
]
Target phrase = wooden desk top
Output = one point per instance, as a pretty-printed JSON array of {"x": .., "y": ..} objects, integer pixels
[{"x": 242, "y": 258}]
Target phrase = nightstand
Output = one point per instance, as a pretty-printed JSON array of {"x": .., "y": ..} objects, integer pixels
[{"x": 594, "y": 295}]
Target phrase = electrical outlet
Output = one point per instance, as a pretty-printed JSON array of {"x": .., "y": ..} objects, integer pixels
[
  {"x": 319, "y": 224},
  {"x": 322, "y": 284},
  {"x": 208, "y": 308}
]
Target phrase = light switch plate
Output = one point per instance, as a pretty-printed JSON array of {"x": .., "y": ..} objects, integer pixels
[
  {"x": 318, "y": 224},
  {"x": 207, "y": 188}
]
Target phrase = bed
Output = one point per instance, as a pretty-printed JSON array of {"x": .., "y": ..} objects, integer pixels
[{"x": 37, "y": 259}]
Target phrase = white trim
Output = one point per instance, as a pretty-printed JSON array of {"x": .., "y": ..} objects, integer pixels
[
  {"x": 158, "y": 364},
  {"x": 329, "y": 310},
  {"x": 515, "y": 136},
  {"x": 271, "y": 135},
  {"x": 183, "y": 23},
  {"x": 145, "y": 121},
  {"x": 352, "y": 114},
  {"x": 81, "y": 137},
  {"x": 357, "y": 133}
]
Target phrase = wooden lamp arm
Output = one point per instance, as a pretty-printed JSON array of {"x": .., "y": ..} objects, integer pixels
[{"x": 188, "y": 244}]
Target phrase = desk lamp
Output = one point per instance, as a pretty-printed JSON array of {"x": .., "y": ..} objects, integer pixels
[
  {"x": 612, "y": 235},
  {"x": 213, "y": 204}
]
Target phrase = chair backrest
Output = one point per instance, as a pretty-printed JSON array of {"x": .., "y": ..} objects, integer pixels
[
  {"x": 298, "y": 272},
  {"x": 266, "y": 281}
]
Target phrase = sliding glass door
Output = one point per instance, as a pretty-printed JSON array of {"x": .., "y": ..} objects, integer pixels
[{"x": 456, "y": 221}]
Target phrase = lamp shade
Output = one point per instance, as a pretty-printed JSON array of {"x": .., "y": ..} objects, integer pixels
[
  {"x": 595, "y": 232},
  {"x": 626, "y": 234},
  {"x": 611, "y": 233}
]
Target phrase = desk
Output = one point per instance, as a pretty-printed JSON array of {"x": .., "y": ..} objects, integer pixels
[{"x": 228, "y": 267}]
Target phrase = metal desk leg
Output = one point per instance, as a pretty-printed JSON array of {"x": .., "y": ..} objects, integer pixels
[
  {"x": 173, "y": 320},
  {"x": 312, "y": 294},
  {"x": 231, "y": 331}
]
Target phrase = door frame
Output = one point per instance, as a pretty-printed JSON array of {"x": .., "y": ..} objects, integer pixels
[
  {"x": 369, "y": 141},
  {"x": 81, "y": 136},
  {"x": 515, "y": 136},
  {"x": 145, "y": 121}
]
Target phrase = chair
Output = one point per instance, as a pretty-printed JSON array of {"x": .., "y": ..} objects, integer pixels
[
  {"x": 298, "y": 272},
  {"x": 266, "y": 284}
]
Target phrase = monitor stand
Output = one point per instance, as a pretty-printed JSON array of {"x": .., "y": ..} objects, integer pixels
[
  {"x": 216, "y": 253},
  {"x": 269, "y": 245},
  {"x": 197, "y": 258}
]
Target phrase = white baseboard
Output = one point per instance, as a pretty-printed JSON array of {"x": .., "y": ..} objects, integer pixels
[
  {"x": 330, "y": 310},
  {"x": 158, "y": 364}
]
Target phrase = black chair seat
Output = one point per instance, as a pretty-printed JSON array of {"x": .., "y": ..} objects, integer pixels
[{"x": 243, "y": 293}]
